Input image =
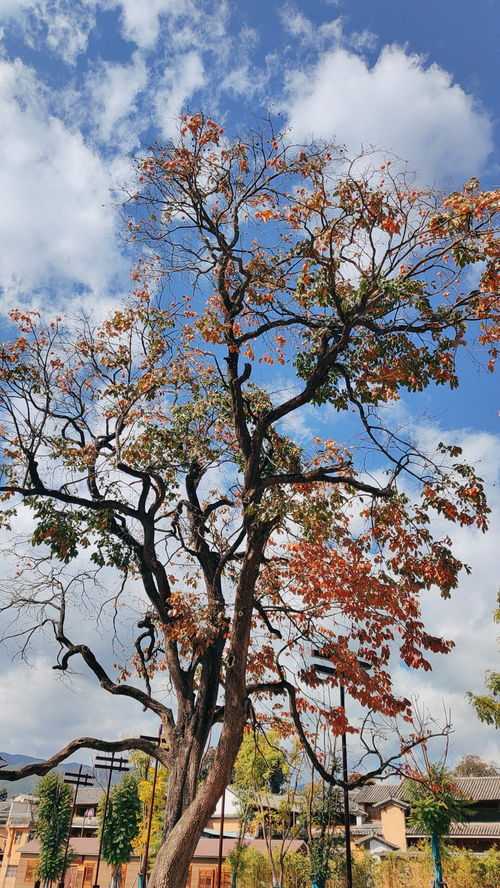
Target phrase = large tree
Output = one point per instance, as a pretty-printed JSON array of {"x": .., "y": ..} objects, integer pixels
[{"x": 168, "y": 447}]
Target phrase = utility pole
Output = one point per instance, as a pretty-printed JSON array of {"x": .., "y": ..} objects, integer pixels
[
  {"x": 330, "y": 670},
  {"x": 221, "y": 838},
  {"x": 144, "y": 873},
  {"x": 107, "y": 764},
  {"x": 77, "y": 780}
]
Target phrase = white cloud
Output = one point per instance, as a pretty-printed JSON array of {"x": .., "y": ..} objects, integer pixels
[
  {"x": 467, "y": 617},
  {"x": 397, "y": 105},
  {"x": 64, "y": 26},
  {"x": 114, "y": 89},
  {"x": 56, "y": 221},
  {"x": 49, "y": 712},
  {"x": 179, "y": 83},
  {"x": 141, "y": 21}
]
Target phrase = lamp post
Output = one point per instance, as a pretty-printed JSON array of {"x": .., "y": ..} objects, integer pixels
[
  {"x": 330, "y": 670},
  {"x": 107, "y": 764}
]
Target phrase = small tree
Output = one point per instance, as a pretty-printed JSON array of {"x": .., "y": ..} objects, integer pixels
[
  {"x": 474, "y": 766},
  {"x": 52, "y": 825},
  {"x": 3, "y": 794},
  {"x": 121, "y": 826},
  {"x": 142, "y": 769},
  {"x": 266, "y": 779},
  {"x": 324, "y": 813},
  {"x": 435, "y": 803}
]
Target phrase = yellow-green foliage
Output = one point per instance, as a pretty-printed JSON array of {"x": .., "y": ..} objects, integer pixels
[
  {"x": 143, "y": 767},
  {"x": 463, "y": 869}
]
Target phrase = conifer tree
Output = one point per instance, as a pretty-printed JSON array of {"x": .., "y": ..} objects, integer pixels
[
  {"x": 121, "y": 825},
  {"x": 52, "y": 825}
]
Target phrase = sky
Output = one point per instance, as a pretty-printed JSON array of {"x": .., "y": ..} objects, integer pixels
[{"x": 85, "y": 84}]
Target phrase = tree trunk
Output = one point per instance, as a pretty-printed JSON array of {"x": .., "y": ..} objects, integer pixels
[
  {"x": 436, "y": 859},
  {"x": 192, "y": 806}
]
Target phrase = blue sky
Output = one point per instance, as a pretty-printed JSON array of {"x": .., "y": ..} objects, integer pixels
[{"x": 86, "y": 83}]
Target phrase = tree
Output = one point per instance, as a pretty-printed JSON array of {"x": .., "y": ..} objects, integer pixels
[
  {"x": 324, "y": 815},
  {"x": 266, "y": 778},
  {"x": 435, "y": 803},
  {"x": 261, "y": 764},
  {"x": 474, "y": 766},
  {"x": 142, "y": 769},
  {"x": 121, "y": 827},
  {"x": 3, "y": 794},
  {"x": 52, "y": 825},
  {"x": 486, "y": 705},
  {"x": 161, "y": 445}
]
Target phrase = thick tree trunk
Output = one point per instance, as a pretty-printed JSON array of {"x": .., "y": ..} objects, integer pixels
[
  {"x": 177, "y": 850},
  {"x": 181, "y": 835}
]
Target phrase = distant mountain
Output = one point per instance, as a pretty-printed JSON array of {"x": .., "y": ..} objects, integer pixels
[{"x": 27, "y": 784}]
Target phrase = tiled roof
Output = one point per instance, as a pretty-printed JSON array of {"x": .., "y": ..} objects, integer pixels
[
  {"x": 367, "y": 829},
  {"x": 389, "y": 845},
  {"x": 377, "y": 793},
  {"x": 466, "y": 830},
  {"x": 209, "y": 848},
  {"x": 89, "y": 795},
  {"x": 479, "y": 789},
  {"x": 84, "y": 847},
  {"x": 475, "y": 789}
]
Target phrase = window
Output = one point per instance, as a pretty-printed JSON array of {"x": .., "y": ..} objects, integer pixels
[
  {"x": 206, "y": 878},
  {"x": 88, "y": 875},
  {"x": 18, "y": 836},
  {"x": 31, "y": 868},
  {"x": 11, "y": 871}
]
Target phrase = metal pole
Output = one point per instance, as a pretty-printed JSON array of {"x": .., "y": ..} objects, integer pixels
[
  {"x": 347, "y": 822},
  {"x": 150, "y": 820},
  {"x": 96, "y": 883},
  {"x": 221, "y": 839},
  {"x": 66, "y": 850}
]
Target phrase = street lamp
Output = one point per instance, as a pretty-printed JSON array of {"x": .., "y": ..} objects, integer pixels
[{"x": 330, "y": 670}]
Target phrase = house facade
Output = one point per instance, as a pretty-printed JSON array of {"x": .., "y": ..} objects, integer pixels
[
  {"x": 383, "y": 815},
  {"x": 16, "y": 824},
  {"x": 21, "y": 853}
]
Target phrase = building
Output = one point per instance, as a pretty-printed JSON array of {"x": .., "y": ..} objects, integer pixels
[
  {"x": 20, "y": 859},
  {"x": 16, "y": 823},
  {"x": 16, "y": 828},
  {"x": 82, "y": 870},
  {"x": 203, "y": 871},
  {"x": 266, "y": 802},
  {"x": 383, "y": 810},
  {"x": 85, "y": 822},
  {"x": 4, "y": 813}
]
